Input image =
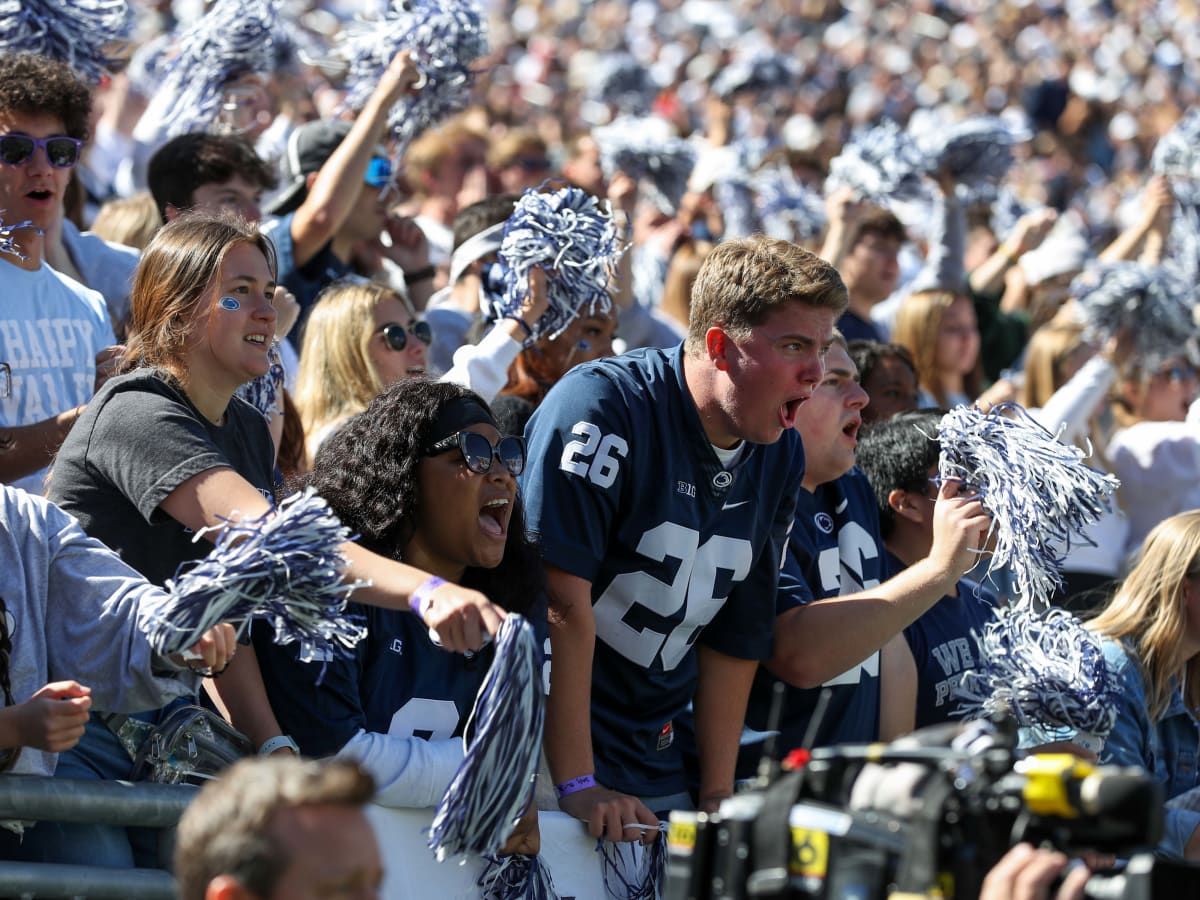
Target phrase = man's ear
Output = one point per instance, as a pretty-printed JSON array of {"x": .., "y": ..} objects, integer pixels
[
  {"x": 309, "y": 180},
  {"x": 226, "y": 887},
  {"x": 717, "y": 342},
  {"x": 902, "y": 505},
  {"x": 171, "y": 212}
]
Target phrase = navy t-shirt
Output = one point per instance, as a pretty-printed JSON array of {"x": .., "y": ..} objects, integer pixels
[
  {"x": 835, "y": 549},
  {"x": 944, "y": 645},
  {"x": 623, "y": 489}
]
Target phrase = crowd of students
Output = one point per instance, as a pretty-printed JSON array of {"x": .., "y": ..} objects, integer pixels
[{"x": 733, "y": 485}]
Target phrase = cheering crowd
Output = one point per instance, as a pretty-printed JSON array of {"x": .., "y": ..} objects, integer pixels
[{"x": 209, "y": 306}]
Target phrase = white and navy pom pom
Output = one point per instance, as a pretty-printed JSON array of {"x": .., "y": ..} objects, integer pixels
[
  {"x": 1177, "y": 155},
  {"x": 516, "y": 877},
  {"x": 787, "y": 210},
  {"x": 88, "y": 35},
  {"x": 880, "y": 164},
  {"x": 1153, "y": 302},
  {"x": 621, "y": 82},
  {"x": 285, "y": 567},
  {"x": 1046, "y": 670},
  {"x": 447, "y": 39},
  {"x": 503, "y": 739},
  {"x": 633, "y": 872},
  {"x": 976, "y": 153},
  {"x": 568, "y": 235},
  {"x": 754, "y": 72},
  {"x": 646, "y": 150},
  {"x": 233, "y": 39},
  {"x": 1037, "y": 489},
  {"x": 1006, "y": 209},
  {"x": 264, "y": 392},
  {"x": 7, "y": 244}
]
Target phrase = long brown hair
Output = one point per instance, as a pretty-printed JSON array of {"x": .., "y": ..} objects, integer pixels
[
  {"x": 173, "y": 279},
  {"x": 1149, "y": 611},
  {"x": 918, "y": 321}
]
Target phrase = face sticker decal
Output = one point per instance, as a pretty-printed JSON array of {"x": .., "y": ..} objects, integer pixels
[{"x": 230, "y": 303}]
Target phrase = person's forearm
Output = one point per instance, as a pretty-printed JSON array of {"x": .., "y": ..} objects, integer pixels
[
  {"x": 568, "y": 708},
  {"x": 242, "y": 693},
  {"x": 816, "y": 642},
  {"x": 34, "y": 446},
  {"x": 1125, "y": 245},
  {"x": 722, "y": 689},
  {"x": 833, "y": 248},
  {"x": 385, "y": 582}
]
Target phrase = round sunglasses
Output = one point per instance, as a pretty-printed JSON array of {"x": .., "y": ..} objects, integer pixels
[
  {"x": 18, "y": 149},
  {"x": 397, "y": 337},
  {"x": 478, "y": 452}
]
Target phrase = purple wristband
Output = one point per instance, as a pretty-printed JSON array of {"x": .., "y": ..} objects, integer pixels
[
  {"x": 575, "y": 785},
  {"x": 421, "y": 594}
]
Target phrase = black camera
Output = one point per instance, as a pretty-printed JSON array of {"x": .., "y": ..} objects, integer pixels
[{"x": 926, "y": 816}]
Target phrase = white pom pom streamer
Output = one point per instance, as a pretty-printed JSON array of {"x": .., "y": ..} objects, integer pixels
[
  {"x": 87, "y": 35},
  {"x": 787, "y": 209},
  {"x": 621, "y": 82},
  {"x": 516, "y": 877},
  {"x": 976, "y": 153},
  {"x": 757, "y": 71},
  {"x": 1153, "y": 302},
  {"x": 1037, "y": 489},
  {"x": 285, "y": 567},
  {"x": 494, "y": 783},
  {"x": 7, "y": 245},
  {"x": 574, "y": 241},
  {"x": 1046, "y": 670},
  {"x": 232, "y": 39},
  {"x": 447, "y": 39},
  {"x": 880, "y": 164},
  {"x": 646, "y": 150},
  {"x": 1177, "y": 155}
]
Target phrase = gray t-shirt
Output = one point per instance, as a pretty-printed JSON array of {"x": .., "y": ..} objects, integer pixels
[{"x": 138, "y": 440}]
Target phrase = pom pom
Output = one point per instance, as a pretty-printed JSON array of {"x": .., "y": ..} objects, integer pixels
[
  {"x": 619, "y": 80},
  {"x": 88, "y": 35},
  {"x": 753, "y": 72},
  {"x": 787, "y": 209},
  {"x": 229, "y": 41},
  {"x": 285, "y": 567},
  {"x": 1006, "y": 209},
  {"x": 516, "y": 878},
  {"x": 1046, "y": 670},
  {"x": 1177, "y": 155},
  {"x": 446, "y": 37},
  {"x": 976, "y": 153},
  {"x": 634, "y": 872},
  {"x": 880, "y": 164},
  {"x": 647, "y": 151},
  {"x": 7, "y": 244},
  {"x": 574, "y": 241},
  {"x": 263, "y": 393},
  {"x": 1153, "y": 302},
  {"x": 1037, "y": 489},
  {"x": 494, "y": 784}
]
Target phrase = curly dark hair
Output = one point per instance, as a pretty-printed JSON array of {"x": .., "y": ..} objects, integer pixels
[
  {"x": 35, "y": 85},
  {"x": 896, "y": 454},
  {"x": 367, "y": 472}
]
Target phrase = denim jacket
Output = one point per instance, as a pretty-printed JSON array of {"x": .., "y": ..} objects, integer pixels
[{"x": 1168, "y": 748}]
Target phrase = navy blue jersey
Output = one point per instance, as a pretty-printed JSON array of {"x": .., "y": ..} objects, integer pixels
[
  {"x": 835, "y": 549},
  {"x": 943, "y": 646},
  {"x": 623, "y": 490},
  {"x": 397, "y": 682}
]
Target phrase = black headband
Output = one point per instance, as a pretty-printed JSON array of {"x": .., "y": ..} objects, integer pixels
[{"x": 457, "y": 415}]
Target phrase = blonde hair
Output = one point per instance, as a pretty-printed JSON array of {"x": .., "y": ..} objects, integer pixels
[
  {"x": 918, "y": 321},
  {"x": 1149, "y": 612},
  {"x": 1049, "y": 349},
  {"x": 131, "y": 221},
  {"x": 336, "y": 378}
]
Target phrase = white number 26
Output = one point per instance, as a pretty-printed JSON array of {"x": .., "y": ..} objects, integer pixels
[{"x": 596, "y": 457}]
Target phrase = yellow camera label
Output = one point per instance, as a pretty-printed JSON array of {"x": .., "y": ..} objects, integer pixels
[
  {"x": 810, "y": 853},
  {"x": 681, "y": 837}
]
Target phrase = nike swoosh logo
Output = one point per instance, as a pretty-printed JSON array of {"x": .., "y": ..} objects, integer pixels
[{"x": 735, "y": 505}]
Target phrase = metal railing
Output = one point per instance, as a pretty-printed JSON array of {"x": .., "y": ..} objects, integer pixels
[{"x": 39, "y": 798}]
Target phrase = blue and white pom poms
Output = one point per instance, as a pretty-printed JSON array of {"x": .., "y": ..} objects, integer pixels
[
  {"x": 568, "y": 235},
  {"x": 90, "y": 36},
  {"x": 1048, "y": 672},
  {"x": 285, "y": 567},
  {"x": 1038, "y": 490},
  {"x": 494, "y": 784}
]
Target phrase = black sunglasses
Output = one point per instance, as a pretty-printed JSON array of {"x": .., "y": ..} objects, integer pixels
[
  {"x": 18, "y": 149},
  {"x": 478, "y": 452},
  {"x": 397, "y": 337}
]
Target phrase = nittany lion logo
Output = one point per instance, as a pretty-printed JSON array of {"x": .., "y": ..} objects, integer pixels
[{"x": 824, "y": 521}]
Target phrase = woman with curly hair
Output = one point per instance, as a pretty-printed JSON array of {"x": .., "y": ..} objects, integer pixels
[
  {"x": 423, "y": 476},
  {"x": 1151, "y": 640}
]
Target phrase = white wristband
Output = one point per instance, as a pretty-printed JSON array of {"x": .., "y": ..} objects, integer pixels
[{"x": 270, "y": 745}]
